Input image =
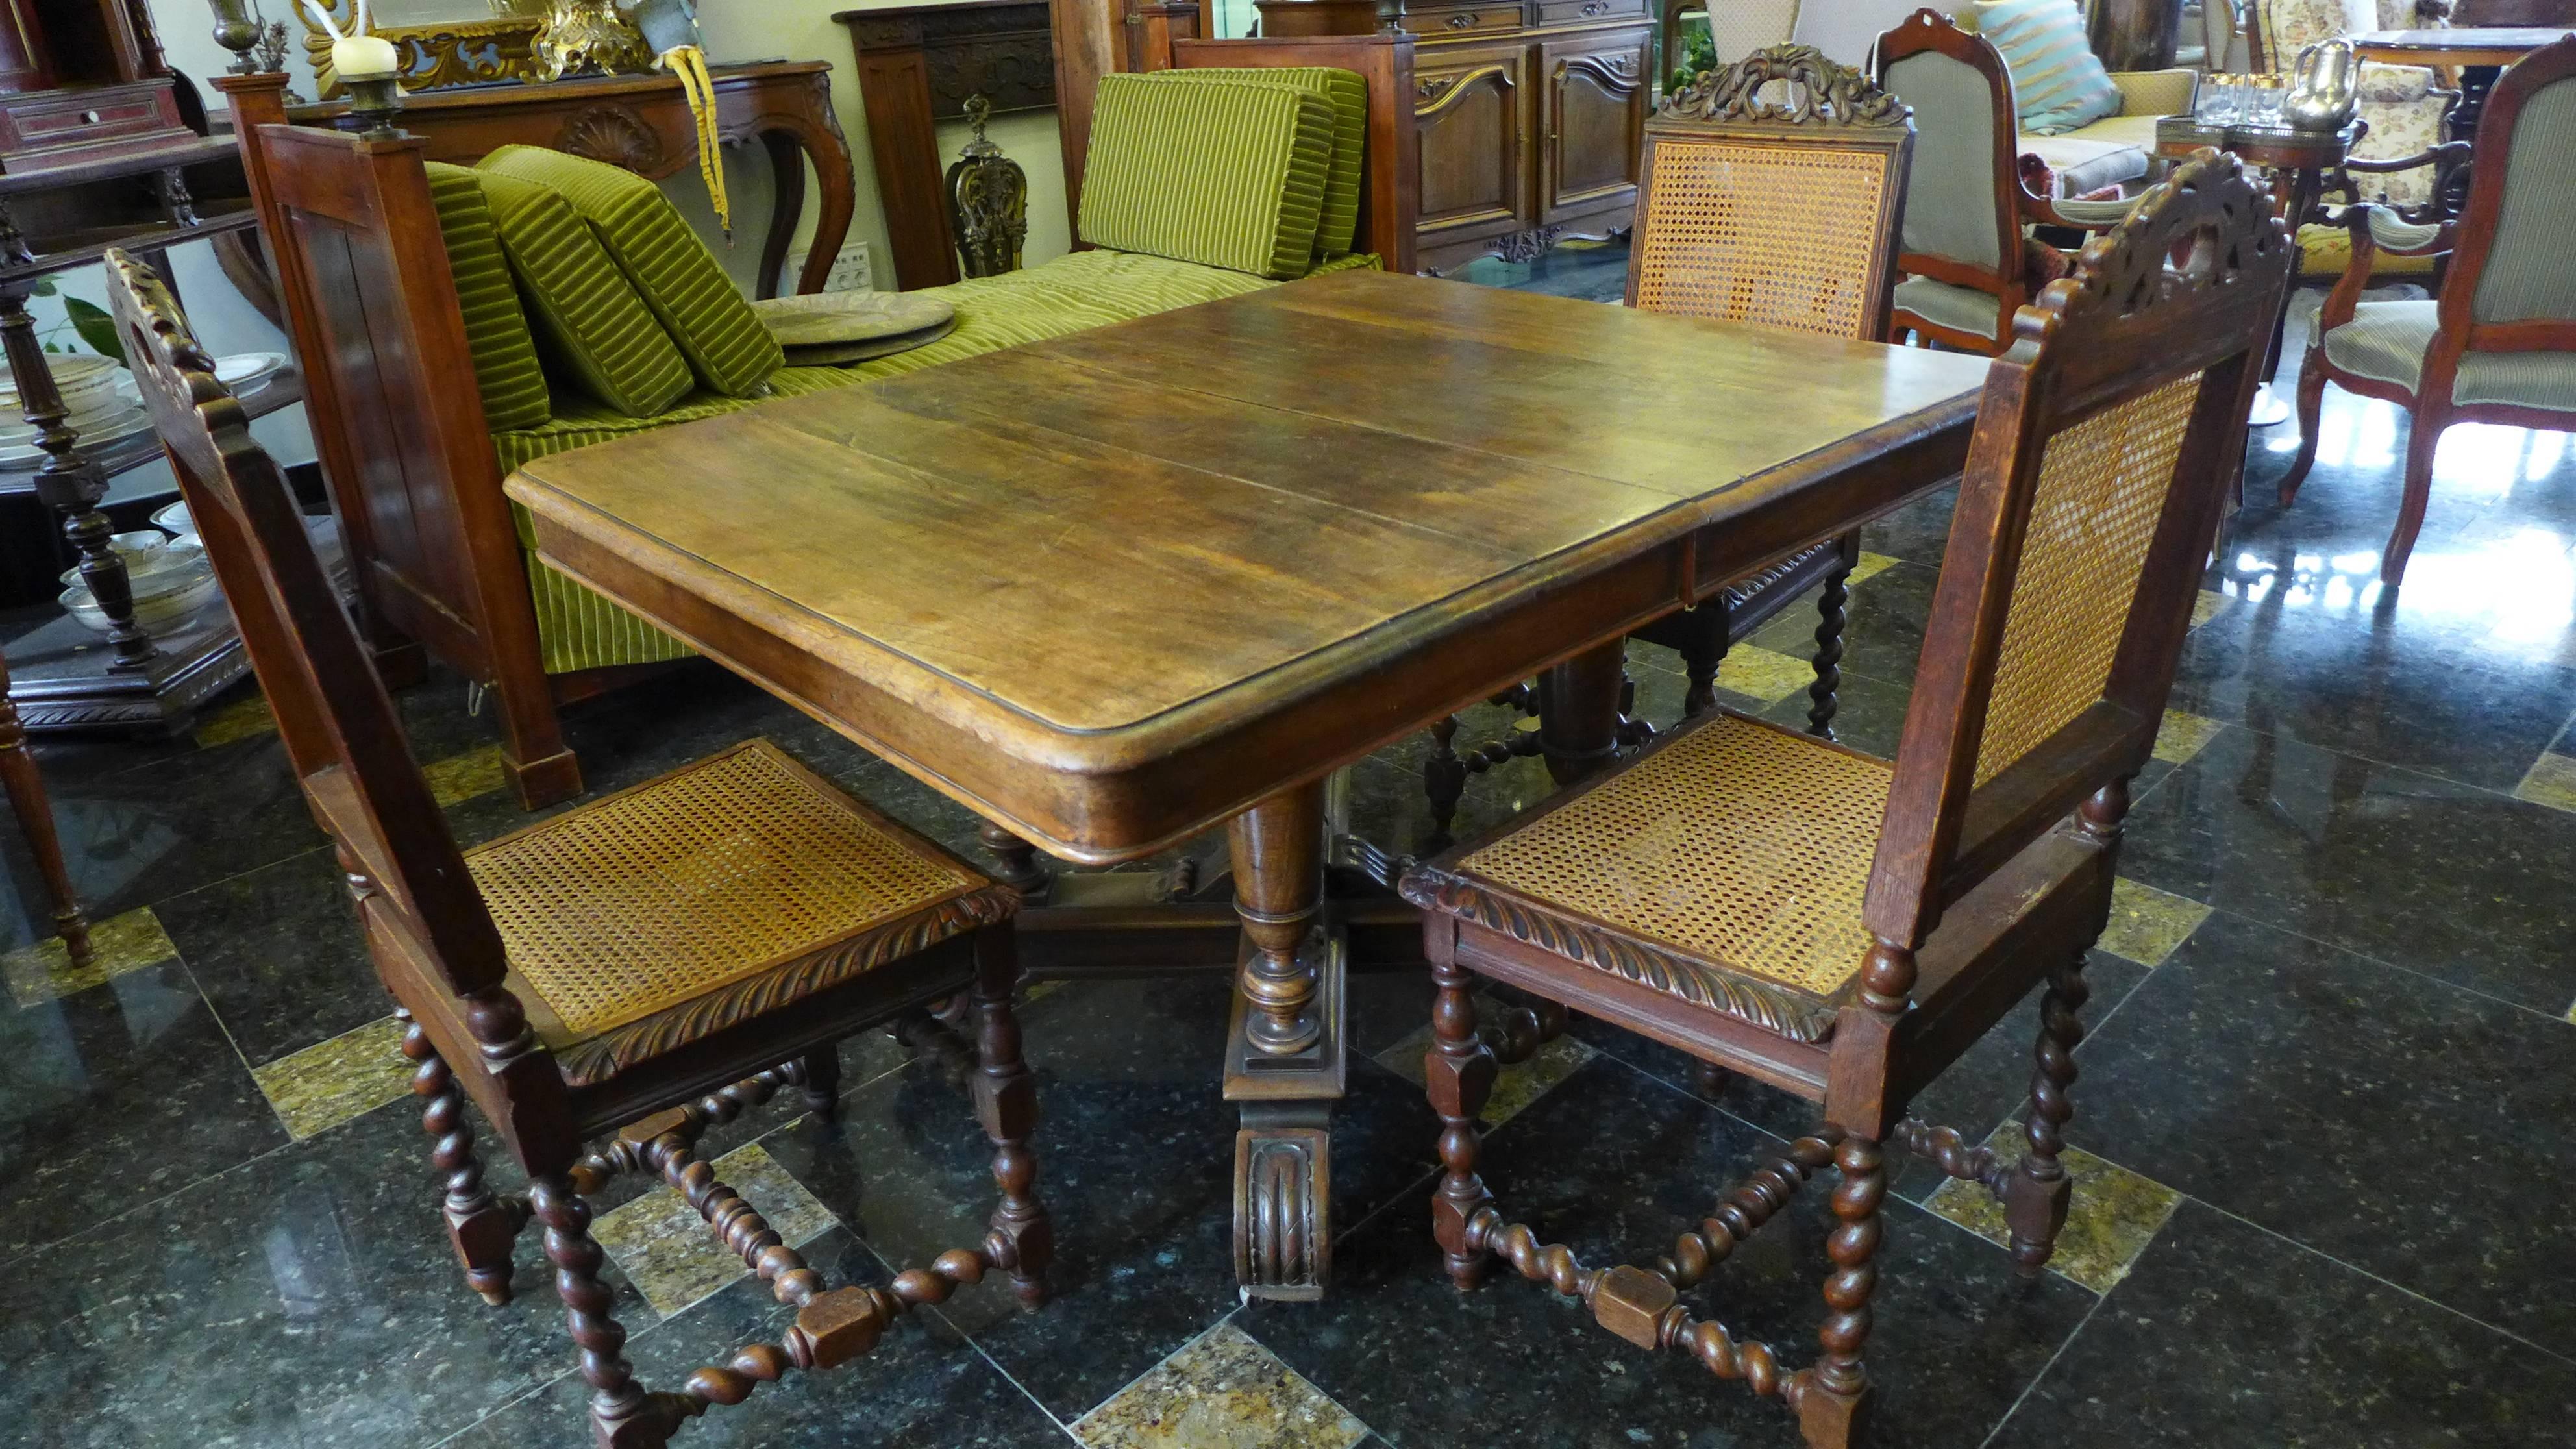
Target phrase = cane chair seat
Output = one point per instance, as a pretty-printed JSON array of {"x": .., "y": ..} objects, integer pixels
[
  {"x": 724, "y": 890},
  {"x": 1725, "y": 868}
]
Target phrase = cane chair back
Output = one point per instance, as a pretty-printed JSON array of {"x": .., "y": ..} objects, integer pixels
[
  {"x": 1771, "y": 193},
  {"x": 2093, "y": 487}
]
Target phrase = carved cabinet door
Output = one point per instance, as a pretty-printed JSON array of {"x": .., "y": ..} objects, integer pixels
[
  {"x": 1473, "y": 106},
  {"x": 1596, "y": 118}
]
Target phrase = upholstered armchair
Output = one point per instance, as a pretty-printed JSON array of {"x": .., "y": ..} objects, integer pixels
[
  {"x": 2404, "y": 107},
  {"x": 1968, "y": 262},
  {"x": 2499, "y": 346}
]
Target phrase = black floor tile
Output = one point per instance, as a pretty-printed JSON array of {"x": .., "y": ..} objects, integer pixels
[
  {"x": 2406, "y": 1127},
  {"x": 2225, "y": 1334},
  {"x": 921, "y": 1388},
  {"x": 1613, "y": 1165},
  {"x": 112, "y": 1097},
  {"x": 279, "y": 954},
  {"x": 1883, "y": 630},
  {"x": 2461, "y": 883}
]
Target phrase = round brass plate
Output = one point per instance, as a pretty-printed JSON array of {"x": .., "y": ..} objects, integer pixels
[{"x": 835, "y": 318}]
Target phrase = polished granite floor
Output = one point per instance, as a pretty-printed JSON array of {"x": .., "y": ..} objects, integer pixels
[{"x": 2327, "y": 1116}]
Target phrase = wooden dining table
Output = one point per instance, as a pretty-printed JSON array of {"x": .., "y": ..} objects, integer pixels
[{"x": 1117, "y": 589}]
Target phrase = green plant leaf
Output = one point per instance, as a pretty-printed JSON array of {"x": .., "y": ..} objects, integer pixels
[
  {"x": 44, "y": 287},
  {"x": 95, "y": 327}
]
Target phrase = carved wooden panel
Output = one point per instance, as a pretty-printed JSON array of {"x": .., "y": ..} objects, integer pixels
[
  {"x": 1596, "y": 105},
  {"x": 1002, "y": 49},
  {"x": 1473, "y": 105}
]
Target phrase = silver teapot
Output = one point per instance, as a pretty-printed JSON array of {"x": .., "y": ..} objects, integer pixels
[{"x": 2324, "y": 87}]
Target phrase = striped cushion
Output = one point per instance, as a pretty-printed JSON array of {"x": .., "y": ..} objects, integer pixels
[
  {"x": 2058, "y": 83},
  {"x": 1339, "y": 223},
  {"x": 1224, "y": 173},
  {"x": 726, "y": 345},
  {"x": 592, "y": 324},
  {"x": 496, "y": 330},
  {"x": 2388, "y": 340}
]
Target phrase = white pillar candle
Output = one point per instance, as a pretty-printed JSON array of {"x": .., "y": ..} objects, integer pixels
[{"x": 360, "y": 57}]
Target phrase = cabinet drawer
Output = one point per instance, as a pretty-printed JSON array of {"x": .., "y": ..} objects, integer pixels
[
  {"x": 1471, "y": 20},
  {"x": 59, "y": 121},
  {"x": 1575, "y": 12}
]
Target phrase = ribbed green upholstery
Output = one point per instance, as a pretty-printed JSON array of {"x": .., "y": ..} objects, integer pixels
[
  {"x": 1221, "y": 172},
  {"x": 2531, "y": 260},
  {"x": 671, "y": 269},
  {"x": 591, "y": 323},
  {"x": 1339, "y": 222},
  {"x": 1949, "y": 195},
  {"x": 496, "y": 329},
  {"x": 2388, "y": 340},
  {"x": 577, "y": 629},
  {"x": 2058, "y": 83}
]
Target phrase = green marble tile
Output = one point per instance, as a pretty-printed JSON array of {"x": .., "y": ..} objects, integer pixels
[
  {"x": 2551, "y": 781},
  {"x": 2147, "y": 924},
  {"x": 44, "y": 971},
  {"x": 1515, "y": 1087},
  {"x": 1871, "y": 565},
  {"x": 1764, "y": 674},
  {"x": 1222, "y": 1390},
  {"x": 667, "y": 1251},
  {"x": 460, "y": 778},
  {"x": 2111, "y": 1215},
  {"x": 2208, "y": 606},
  {"x": 2184, "y": 735},
  {"x": 238, "y": 720},
  {"x": 332, "y": 1082}
]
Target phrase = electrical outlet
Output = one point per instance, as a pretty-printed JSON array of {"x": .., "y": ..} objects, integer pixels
[{"x": 852, "y": 271}]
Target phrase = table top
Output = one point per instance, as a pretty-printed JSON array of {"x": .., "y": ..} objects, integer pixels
[
  {"x": 2459, "y": 45},
  {"x": 2261, "y": 145},
  {"x": 1110, "y": 588}
]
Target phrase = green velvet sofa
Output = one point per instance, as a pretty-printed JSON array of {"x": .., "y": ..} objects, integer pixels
[{"x": 456, "y": 323}]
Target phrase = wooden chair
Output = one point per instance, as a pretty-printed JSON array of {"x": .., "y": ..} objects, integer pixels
[
  {"x": 640, "y": 966},
  {"x": 1845, "y": 928},
  {"x": 35, "y": 814},
  {"x": 1969, "y": 264},
  {"x": 2499, "y": 345},
  {"x": 1770, "y": 194}
]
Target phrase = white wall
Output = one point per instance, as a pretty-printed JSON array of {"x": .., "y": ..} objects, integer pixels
[
  {"x": 1845, "y": 29},
  {"x": 736, "y": 30}
]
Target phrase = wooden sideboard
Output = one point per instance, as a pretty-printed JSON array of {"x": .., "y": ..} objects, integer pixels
[
  {"x": 1532, "y": 115},
  {"x": 642, "y": 123}
]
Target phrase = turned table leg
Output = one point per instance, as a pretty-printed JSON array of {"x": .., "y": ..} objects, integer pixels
[
  {"x": 1578, "y": 711},
  {"x": 1284, "y": 1057},
  {"x": 35, "y": 813}
]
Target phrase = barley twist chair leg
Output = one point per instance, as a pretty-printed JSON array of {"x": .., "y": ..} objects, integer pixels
[
  {"x": 1833, "y": 1398},
  {"x": 1444, "y": 779},
  {"x": 1458, "y": 1072},
  {"x": 822, "y": 1085},
  {"x": 622, "y": 1415},
  {"x": 1022, "y": 1240},
  {"x": 2035, "y": 1199},
  {"x": 1830, "y": 618},
  {"x": 482, "y": 1228}
]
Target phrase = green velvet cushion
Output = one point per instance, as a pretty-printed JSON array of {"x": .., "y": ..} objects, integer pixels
[
  {"x": 593, "y": 325},
  {"x": 496, "y": 329},
  {"x": 727, "y": 347},
  {"x": 2388, "y": 340},
  {"x": 1338, "y": 225},
  {"x": 2059, "y": 85},
  {"x": 1224, "y": 173}
]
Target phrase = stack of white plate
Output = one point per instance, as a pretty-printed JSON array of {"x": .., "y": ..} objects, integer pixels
[
  {"x": 171, "y": 580},
  {"x": 99, "y": 410}
]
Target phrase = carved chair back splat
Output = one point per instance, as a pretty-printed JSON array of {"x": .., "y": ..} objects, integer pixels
[
  {"x": 491, "y": 1009},
  {"x": 1883, "y": 918}
]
